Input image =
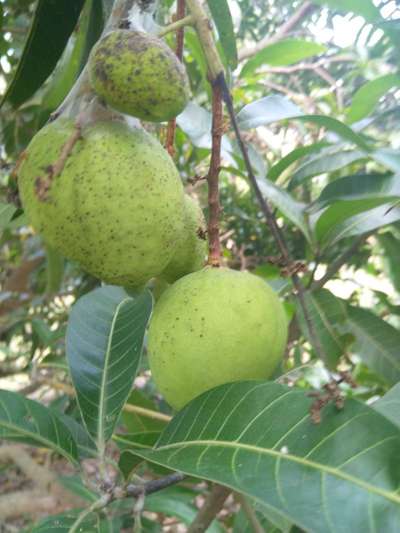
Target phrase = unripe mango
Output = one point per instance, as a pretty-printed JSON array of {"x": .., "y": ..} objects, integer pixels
[
  {"x": 116, "y": 207},
  {"x": 138, "y": 74},
  {"x": 212, "y": 327},
  {"x": 191, "y": 250}
]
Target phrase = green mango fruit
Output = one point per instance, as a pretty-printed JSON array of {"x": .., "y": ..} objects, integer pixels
[
  {"x": 191, "y": 250},
  {"x": 138, "y": 74},
  {"x": 117, "y": 205},
  {"x": 211, "y": 327}
]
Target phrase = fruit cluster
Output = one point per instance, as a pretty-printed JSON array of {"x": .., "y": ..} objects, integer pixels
[{"x": 113, "y": 201}]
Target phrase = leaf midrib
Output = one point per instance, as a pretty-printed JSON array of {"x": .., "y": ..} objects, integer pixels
[
  {"x": 289, "y": 457},
  {"x": 102, "y": 398}
]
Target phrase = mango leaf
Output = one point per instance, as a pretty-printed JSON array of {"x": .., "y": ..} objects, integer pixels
[
  {"x": 104, "y": 345},
  {"x": 285, "y": 52},
  {"x": 327, "y": 313},
  {"x": 291, "y": 208},
  {"x": 368, "y": 95},
  {"x": 391, "y": 257},
  {"x": 328, "y": 160},
  {"x": 346, "y": 219},
  {"x": 62, "y": 523},
  {"x": 376, "y": 343},
  {"x": 6, "y": 213},
  {"x": 84, "y": 442},
  {"x": 129, "y": 461},
  {"x": 266, "y": 518},
  {"x": 388, "y": 157},
  {"x": 136, "y": 422},
  {"x": 30, "y": 422},
  {"x": 365, "y": 8},
  {"x": 276, "y": 170},
  {"x": 223, "y": 20},
  {"x": 257, "y": 438},
  {"x": 52, "y": 25},
  {"x": 379, "y": 187},
  {"x": 273, "y": 108},
  {"x": 389, "y": 405}
]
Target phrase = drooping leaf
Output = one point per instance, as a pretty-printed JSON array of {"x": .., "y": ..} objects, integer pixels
[
  {"x": 274, "y": 108},
  {"x": 104, "y": 345},
  {"x": 223, "y": 20},
  {"x": 328, "y": 160},
  {"x": 291, "y": 208},
  {"x": 52, "y": 25},
  {"x": 326, "y": 313},
  {"x": 389, "y": 405},
  {"x": 376, "y": 343},
  {"x": 275, "y": 171},
  {"x": 285, "y": 52},
  {"x": 368, "y": 95},
  {"x": 379, "y": 187},
  {"x": 388, "y": 157},
  {"x": 346, "y": 219},
  {"x": 28, "y": 421},
  {"x": 257, "y": 438}
]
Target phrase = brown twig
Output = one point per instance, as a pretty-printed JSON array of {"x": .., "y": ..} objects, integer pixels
[
  {"x": 154, "y": 485},
  {"x": 211, "y": 507},
  {"x": 214, "y": 248},
  {"x": 43, "y": 183},
  {"x": 180, "y": 14},
  {"x": 271, "y": 221}
]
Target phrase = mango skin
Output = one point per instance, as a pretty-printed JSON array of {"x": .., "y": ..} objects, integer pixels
[
  {"x": 138, "y": 74},
  {"x": 117, "y": 206},
  {"x": 212, "y": 327},
  {"x": 191, "y": 249}
]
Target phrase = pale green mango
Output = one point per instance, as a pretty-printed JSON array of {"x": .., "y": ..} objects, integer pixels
[
  {"x": 117, "y": 206},
  {"x": 138, "y": 74},
  {"x": 191, "y": 250},
  {"x": 212, "y": 327}
]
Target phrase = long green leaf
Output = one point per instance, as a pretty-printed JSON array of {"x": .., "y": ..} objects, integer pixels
[
  {"x": 104, "y": 345},
  {"x": 6, "y": 213},
  {"x": 258, "y": 439},
  {"x": 389, "y": 405},
  {"x": 326, "y": 313},
  {"x": 285, "y": 52},
  {"x": 291, "y": 208},
  {"x": 273, "y": 108},
  {"x": 275, "y": 171},
  {"x": 391, "y": 257},
  {"x": 368, "y": 95},
  {"x": 376, "y": 343},
  {"x": 25, "y": 420},
  {"x": 223, "y": 20},
  {"x": 52, "y": 25}
]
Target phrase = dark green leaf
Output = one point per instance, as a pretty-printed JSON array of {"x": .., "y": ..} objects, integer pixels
[
  {"x": 379, "y": 187},
  {"x": 135, "y": 422},
  {"x": 6, "y": 213},
  {"x": 52, "y": 25},
  {"x": 346, "y": 219},
  {"x": 286, "y": 52},
  {"x": 376, "y": 343},
  {"x": 28, "y": 421},
  {"x": 389, "y": 405},
  {"x": 257, "y": 438},
  {"x": 368, "y": 95},
  {"x": 104, "y": 345},
  {"x": 62, "y": 523},
  {"x": 391, "y": 257},
  {"x": 223, "y": 20},
  {"x": 326, "y": 313}
]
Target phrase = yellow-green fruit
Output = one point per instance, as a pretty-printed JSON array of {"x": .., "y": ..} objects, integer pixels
[
  {"x": 138, "y": 74},
  {"x": 212, "y": 327},
  {"x": 191, "y": 250},
  {"x": 116, "y": 207}
]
